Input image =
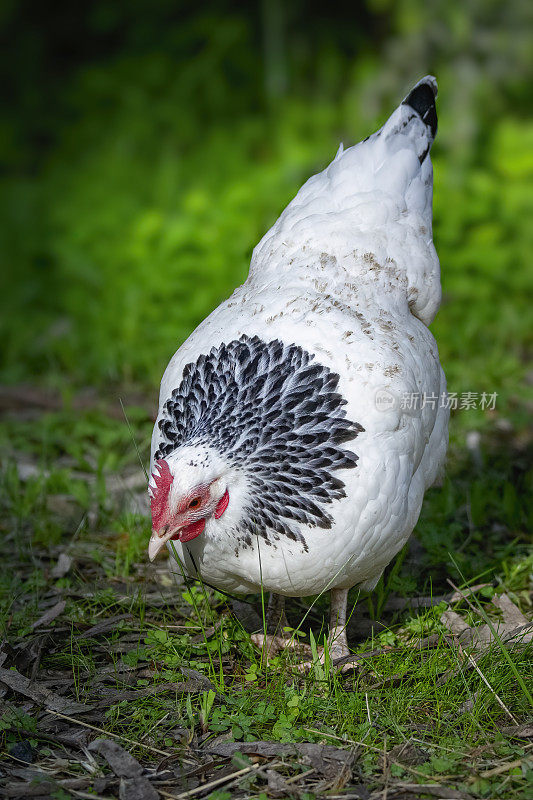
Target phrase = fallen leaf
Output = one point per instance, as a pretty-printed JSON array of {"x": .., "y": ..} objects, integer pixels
[
  {"x": 23, "y": 751},
  {"x": 22, "y": 685},
  {"x": 457, "y": 595},
  {"x": 278, "y": 786},
  {"x": 157, "y": 689},
  {"x": 63, "y": 565},
  {"x": 27, "y": 654},
  {"x": 454, "y": 623},
  {"x": 202, "y": 681},
  {"x": 322, "y": 757},
  {"x": 408, "y": 753},
  {"x": 133, "y": 785},
  {"x": 338, "y": 778},
  {"x": 274, "y": 644},
  {"x": 50, "y": 615},
  {"x": 524, "y": 731},
  {"x": 123, "y": 764},
  {"x": 514, "y": 626},
  {"x": 42, "y": 786},
  {"x": 418, "y": 789},
  {"x": 102, "y": 627},
  {"x": 136, "y": 789},
  {"x": 512, "y": 616}
]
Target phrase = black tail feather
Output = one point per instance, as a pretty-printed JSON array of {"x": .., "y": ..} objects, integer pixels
[{"x": 422, "y": 100}]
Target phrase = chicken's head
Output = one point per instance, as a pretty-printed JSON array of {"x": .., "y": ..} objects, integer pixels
[{"x": 188, "y": 490}]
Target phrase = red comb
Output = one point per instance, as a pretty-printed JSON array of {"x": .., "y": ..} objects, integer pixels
[{"x": 163, "y": 481}]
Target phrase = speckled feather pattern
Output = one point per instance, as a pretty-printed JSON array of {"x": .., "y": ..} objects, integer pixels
[
  {"x": 273, "y": 413},
  {"x": 348, "y": 277}
]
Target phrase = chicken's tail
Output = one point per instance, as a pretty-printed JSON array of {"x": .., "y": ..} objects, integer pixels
[
  {"x": 421, "y": 99},
  {"x": 397, "y": 154},
  {"x": 413, "y": 124}
]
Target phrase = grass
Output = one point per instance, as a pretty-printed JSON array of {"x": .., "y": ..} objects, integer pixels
[{"x": 473, "y": 529}]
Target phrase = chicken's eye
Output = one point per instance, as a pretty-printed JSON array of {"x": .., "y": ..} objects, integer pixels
[{"x": 195, "y": 502}]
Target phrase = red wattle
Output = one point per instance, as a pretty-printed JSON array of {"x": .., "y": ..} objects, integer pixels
[
  {"x": 192, "y": 531},
  {"x": 196, "y": 528},
  {"x": 222, "y": 505}
]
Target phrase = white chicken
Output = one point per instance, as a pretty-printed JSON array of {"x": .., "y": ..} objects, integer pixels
[{"x": 301, "y": 423}]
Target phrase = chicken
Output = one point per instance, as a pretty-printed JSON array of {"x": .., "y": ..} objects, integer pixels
[{"x": 301, "y": 423}]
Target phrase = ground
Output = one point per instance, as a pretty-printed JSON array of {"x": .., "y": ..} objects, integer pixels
[{"x": 116, "y": 682}]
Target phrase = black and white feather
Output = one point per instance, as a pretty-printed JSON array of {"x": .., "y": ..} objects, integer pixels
[{"x": 271, "y": 410}]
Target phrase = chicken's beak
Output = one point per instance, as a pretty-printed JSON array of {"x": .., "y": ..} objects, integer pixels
[{"x": 157, "y": 542}]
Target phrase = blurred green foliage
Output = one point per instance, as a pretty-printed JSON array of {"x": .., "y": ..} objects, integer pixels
[{"x": 147, "y": 148}]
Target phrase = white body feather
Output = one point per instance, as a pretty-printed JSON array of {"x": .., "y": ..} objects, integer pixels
[{"x": 348, "y": 272}]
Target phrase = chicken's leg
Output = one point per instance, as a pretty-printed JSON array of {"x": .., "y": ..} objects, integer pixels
[
  {"x": 277, "y": 638},
  {"x": 337, "y": 641},
  {"x": 276, "y": 620}
]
